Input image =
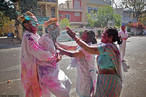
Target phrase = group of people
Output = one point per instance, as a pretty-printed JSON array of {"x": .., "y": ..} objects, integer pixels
[{"x": 40, "y": 72}]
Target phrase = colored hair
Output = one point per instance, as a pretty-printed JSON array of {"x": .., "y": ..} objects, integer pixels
[
  {"x": 25, "y": 18},
  {"x": 50, "y": 21}
]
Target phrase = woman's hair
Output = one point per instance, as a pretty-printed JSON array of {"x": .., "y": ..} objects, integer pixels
[
  {"x": 114, "y": 33},
  {"x": 91, "y": 37}
]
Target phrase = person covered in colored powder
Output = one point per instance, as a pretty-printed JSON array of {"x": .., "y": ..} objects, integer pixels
[
  {"x": 30, "y": 53},
  {"x": 110, "y": 77},
  {"x": 122, "y": 47},
  {"x": 86, "y": 77},
  {"x": 51, "y": 78}
]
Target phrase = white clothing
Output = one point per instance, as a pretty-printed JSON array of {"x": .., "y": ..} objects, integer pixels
[
  {"x": 30, "y": 52},
  {"x": 87, "y": 77},
  {"x": 51, "y": 77},
  {"x": 122, "y": 47}
]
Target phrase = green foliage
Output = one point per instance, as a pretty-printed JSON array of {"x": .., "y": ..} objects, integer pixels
[
  {"x": 73, "y": 27},
  {"x": 101, "y": 18},
  {"x": 142, "y": 18},
  {"x": 90, "y": 19},
  {"x": 3, "y": 19},
  {"x": 8, "y": 9},
  {"x": 105, "y": 13},
  {"x": 117, "y": 20},
  {"x": 80, "y": 33},
  {"x": 64, "y": 23},
  {"x": 136, "y": 5}
]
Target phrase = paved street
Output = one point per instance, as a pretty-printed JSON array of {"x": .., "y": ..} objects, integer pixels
[{"x": 134, "y": 69}]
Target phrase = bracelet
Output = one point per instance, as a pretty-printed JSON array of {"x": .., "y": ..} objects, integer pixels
[{"x": 91, "y": 70}]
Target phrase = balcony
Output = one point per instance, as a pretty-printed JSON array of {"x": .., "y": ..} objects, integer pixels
[
  {"x": 48, "y": 0},
  {"x": 78, "y": 8},
  {"x": 102, "y": 2}
]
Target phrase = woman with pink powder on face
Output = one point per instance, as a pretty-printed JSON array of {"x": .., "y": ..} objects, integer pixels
[
  {"x": 110, "y": 70},
  {"x": 86, "y": 77}
]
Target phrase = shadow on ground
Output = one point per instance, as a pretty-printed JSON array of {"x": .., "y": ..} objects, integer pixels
[
  {"x": 6, "y": 43},
  {"x": 125, "y": 67}
]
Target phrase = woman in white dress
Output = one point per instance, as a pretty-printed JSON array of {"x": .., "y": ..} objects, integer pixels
[{"x": 86, "y": 78}]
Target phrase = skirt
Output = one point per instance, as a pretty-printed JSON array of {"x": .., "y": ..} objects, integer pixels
[{"x": 108, "y": 85}]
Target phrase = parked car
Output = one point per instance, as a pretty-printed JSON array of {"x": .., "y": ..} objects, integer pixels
[
  {"x": 65, "y": 37},
  {"x": 10, "y": 34}
]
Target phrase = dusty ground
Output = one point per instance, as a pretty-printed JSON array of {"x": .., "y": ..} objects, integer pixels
[{"x": 134, "y": 69}]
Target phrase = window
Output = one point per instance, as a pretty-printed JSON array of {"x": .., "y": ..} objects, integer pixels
[
  {"x": 67, "y": 5},
  {"x": 53, "y": 12},
  {"x": 77, "y": 4},
  {"x": 77, "y": 14},
  {"x": 67, "y": 16}
]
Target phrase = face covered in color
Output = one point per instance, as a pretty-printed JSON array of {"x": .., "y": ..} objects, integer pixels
[
  {"x": 54, "y": 30},
  {"x": 33, "y": 24},
  {"x": 84, "y": 36},
  {"x": 123, "y": 27},
  {"x": 105, "y": 38}
]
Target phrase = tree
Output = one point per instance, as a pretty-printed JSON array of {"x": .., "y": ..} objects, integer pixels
[
  {"x": 101, "y": 18},
  {"x": 117, "y": 20},
  {"x": 136, "y": 5},
  {"x": 8, "y": 9},
  {"x": 105, "y": 13},
  {"x": 91, "y": 20},
  {"x": 3, "y": 19},
  {"x": 64, "y": 23},
  {"x": 142, "y": 18}
]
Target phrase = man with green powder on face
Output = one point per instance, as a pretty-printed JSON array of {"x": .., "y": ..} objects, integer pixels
[{"x": 51, "y": 78}]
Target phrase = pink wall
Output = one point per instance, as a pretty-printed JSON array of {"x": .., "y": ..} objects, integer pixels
[{"x": 73, "y": 18}]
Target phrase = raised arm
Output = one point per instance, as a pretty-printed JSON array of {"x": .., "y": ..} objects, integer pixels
[
  {"x": 79, "y": 53},
  {"x": 90, "y": 49},
  {"x": 66, "y": 47},
  {"x": 34, "y": 49}
]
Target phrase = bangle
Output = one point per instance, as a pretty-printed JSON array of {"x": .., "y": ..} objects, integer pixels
[{"x": 91, "y": 70}]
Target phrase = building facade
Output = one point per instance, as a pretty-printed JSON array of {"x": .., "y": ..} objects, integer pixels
[
  {"x": 76, "y": 10},
  {"x": 47, "y": 9},
  {"x": 127, "y": 15},
  {"x": 72, "y": 10}
]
